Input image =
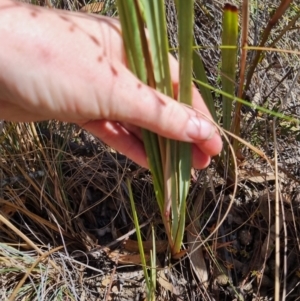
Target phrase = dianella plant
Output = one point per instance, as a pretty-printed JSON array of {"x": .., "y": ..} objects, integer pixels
[
  {"x": 146, "y": 43},
  {"x": 147, "y": 54}
]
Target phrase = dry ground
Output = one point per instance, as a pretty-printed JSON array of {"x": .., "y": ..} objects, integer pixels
[{"x": 66, "y": 225}]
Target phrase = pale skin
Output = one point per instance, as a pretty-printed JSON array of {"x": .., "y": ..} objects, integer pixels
[{"x": 72, "y": 67}]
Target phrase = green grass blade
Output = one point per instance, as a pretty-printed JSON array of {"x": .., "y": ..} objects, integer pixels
[
  {"x": 174, "y": 189},
  {"x": 251, "y": 105},
  {"x": 200, "y": 75},
  {"x": 132, "y": 38},
  {"x": 170, "y": 161},
  {"x": 151, "y": 144},
  {"x": 140, "y": 64},
  {"x": 138, "y": 234},
  {"x": 229, "y": 59},
  {"x": 156, "y": 24},
  {"x": 185, "y": 10}
]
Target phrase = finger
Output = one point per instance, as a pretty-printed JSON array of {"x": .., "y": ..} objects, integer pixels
[
  {"x": 135, "y": 130},
  {"x": 128, "y": 144},
  {"x": 211, "y": 146},
  {"x": 200, "y": 159},
  {"x": 147, "y": 108},
  {"x": 120, "y": 139}
]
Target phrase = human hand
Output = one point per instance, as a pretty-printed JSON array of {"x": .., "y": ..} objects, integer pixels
[{"x": 72, "y": 67}]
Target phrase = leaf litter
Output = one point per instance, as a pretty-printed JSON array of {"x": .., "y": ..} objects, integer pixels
[{"x": 72, "y": 193}]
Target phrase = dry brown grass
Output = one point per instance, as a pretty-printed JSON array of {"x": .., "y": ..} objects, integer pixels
[{"x": 65, "y": 193}]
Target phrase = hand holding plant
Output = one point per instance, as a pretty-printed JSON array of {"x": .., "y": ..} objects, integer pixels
[{"x": 72, "y": 67}]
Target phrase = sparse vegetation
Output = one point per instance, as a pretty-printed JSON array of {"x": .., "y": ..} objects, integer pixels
[{"x": 67, "y": 230}]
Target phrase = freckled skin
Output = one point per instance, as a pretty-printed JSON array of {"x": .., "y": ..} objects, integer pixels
[
  {"x": 94, "y": 39},
  {"x": 64, "y": 18},
  {"x": 114, "y": 71},
  {"x": 72, "y": 67}
]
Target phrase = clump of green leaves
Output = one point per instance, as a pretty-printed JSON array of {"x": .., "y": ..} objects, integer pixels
[{"x": 169, "y": 161}]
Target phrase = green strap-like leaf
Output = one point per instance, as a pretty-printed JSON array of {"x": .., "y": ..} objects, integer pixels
[
  {"x": 229, "y": 59},
  {"x": 137, "y": 52},
  {"x": 200, "y": 75},
  {"x": 138, "y": 234},
  {"x": 185, "y": 9}
]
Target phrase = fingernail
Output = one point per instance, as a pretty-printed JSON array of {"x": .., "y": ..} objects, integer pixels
[{"x": 200, "y": 129}]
